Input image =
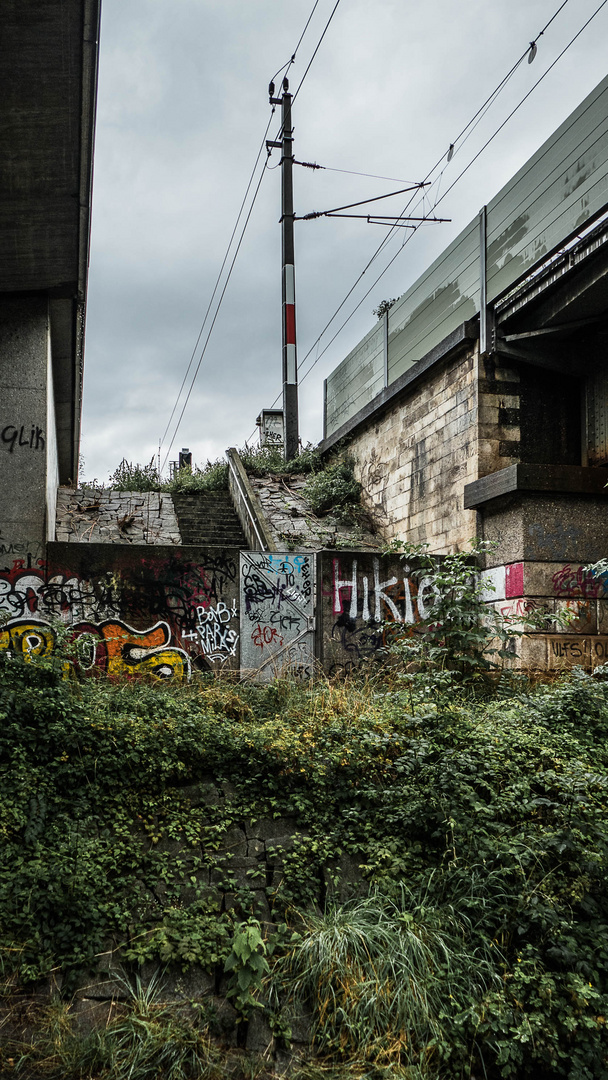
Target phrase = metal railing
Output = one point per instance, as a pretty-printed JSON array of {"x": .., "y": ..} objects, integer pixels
[{"x": 250, "y": 513}]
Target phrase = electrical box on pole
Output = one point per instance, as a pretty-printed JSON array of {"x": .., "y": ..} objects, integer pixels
[{"x": 290, "y": 360}]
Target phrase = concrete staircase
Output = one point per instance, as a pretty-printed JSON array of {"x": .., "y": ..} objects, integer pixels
[{"x": 209, "y": 519}]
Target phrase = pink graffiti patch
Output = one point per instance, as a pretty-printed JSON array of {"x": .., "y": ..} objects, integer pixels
[{"x": 514, "y": 580}]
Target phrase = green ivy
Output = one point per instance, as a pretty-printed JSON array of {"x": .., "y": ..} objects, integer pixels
[{"x": 491, "y": 814}]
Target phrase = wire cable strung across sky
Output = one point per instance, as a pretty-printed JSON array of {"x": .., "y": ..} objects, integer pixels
[
  {"x": 530, "y": 52},
  {"x": 472, "y": 122},
  {"x": 215, "y": 288},
  {"x": 239, "y": 215}
]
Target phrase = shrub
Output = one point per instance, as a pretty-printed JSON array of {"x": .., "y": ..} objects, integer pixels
[
  {"x": 213, "y": 477},
  {"x": 480, "y": 828},
  {"x": 264, "y": 460},
  {"x": 335, "y": 490},
  {"x": 130, "y": 477}
]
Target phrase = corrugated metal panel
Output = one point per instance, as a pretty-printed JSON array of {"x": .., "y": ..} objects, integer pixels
[
  {"x": 357, "y": 380},
  {"x": 556, "y": 192},
  {"x": 440, "y": 301}
]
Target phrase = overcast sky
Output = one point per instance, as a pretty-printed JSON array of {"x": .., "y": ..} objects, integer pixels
[{"x": 182, "y": 109}]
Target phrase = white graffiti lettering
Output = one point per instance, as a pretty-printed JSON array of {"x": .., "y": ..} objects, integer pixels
[{"x": 217, "y": 640}]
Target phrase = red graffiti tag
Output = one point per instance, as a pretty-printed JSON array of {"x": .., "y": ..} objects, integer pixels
[{"x": 266, "y": 635}]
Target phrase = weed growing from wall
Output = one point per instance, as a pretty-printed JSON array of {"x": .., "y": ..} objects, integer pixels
[
  {"x": 213, "y": 476},
  {"x": 462, "y": 637},
  {"x": 135, "y": 477},
  {"x": 335, "y": 490}
]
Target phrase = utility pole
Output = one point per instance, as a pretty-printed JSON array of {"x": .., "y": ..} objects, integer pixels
[{"x": 290, "y": 362}]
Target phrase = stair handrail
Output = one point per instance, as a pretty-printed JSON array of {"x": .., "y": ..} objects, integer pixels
[{"x": 247, "y": 505}]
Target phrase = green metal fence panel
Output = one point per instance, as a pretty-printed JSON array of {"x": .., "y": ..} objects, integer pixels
[
  {"x": 439, "y": 302},
  {"x": 357, "y": 380},
  {"x": 562, "y": 186}
]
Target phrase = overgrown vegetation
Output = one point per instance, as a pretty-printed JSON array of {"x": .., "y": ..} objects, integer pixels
[
  {"x": 134, "y": 477},
  {"x": 331, "y": 488},
  {"x": 259, "y": 461},
  {"x": 383, "y": 307},
  {"x": 335, "y": 490},
  {"x": 442, "y": 912},
  {"x": 264, "y": 460},
  {"x": 461, "y": 636}
]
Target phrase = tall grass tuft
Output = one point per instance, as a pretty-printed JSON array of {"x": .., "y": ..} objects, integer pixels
[
  {"x": 149, "y": 1041},
  {"x": 384, "y": 981}
]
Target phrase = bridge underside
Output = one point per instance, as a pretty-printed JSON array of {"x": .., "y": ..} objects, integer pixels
[{"x": 48, "y": 78}]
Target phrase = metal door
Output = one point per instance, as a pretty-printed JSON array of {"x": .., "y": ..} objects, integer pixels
[{"x": 277, "y": 608}]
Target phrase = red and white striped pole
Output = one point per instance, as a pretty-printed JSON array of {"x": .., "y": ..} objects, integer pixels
[{"x": 290, "y": 360}]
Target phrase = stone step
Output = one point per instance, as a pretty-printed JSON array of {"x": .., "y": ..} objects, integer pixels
[{"x": 209, "y": 518}]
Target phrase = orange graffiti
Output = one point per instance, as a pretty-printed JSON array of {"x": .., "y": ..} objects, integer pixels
[
  {"x": 131, "y": 651},
  {"x": 112, "y": 646}
]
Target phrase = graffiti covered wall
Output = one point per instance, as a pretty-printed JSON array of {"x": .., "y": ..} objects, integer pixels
[
  {"x": 365, "y": 600},
  {"x": 128, "y": 610},
  {"x": 169, "y": 612},
  {"x": 277, "y": 614}
]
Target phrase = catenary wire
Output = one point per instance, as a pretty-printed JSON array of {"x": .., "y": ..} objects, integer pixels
[
  {"x": 483, "y": 108},
  {"x": 293, "y": 55},
  {"x": 219, "y": 277},
  {"x": 217, "y": 311},
  {"x": 520, "y": 103},
  {"x": 318, "y": 46},
  {"x": 263, "y": 143},
  {"x": 454, "y": 182},
  {"x": 351, "y": 172},
  {"x": 238, "y": 218}
]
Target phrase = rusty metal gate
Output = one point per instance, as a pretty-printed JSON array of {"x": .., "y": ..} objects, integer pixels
[{"x": 277, "y": 614}]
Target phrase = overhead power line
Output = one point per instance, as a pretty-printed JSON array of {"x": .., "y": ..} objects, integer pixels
[
  {"x": 488, "y": 101},
  {"x": 217, "y": 281},
  {"x": 476, "y": 117},
  {"x": 452, "y": 185},
  {"x": 217, "y": 311},
  {"x": 232, "y": 237}
]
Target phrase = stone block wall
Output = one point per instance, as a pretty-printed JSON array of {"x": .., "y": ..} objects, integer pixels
[
  {"x": 499, "y": 431},
  {"x": 574, "y": 601},
  {"x": 293, "y": 524},
  {"x": 103, "y": 516},
  {"x": 243, "y": 874},
  {"x": 415, "y": 459}
]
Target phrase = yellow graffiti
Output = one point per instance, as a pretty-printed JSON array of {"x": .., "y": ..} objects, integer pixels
[
  {"x": 29, "y": 638},
  {"x": 113, "y": 647},
  {"x": 165, "y": 664},
  {"x": 133, "y": 651}
]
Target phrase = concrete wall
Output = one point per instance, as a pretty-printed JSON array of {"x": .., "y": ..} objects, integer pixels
[
  {"x": 26, "y": 454},
  {"x": 364, "y": 602},
  {"x": 169, "y": 611},
  {"x": 154, "y": 610},
  {"x": 415, "y": 459},
  {"x": 52, "y": 460}
]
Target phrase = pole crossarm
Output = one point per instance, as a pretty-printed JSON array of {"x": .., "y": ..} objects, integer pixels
[
  {"x": 379, "y": 219},
  {"x": 362, "y": 202}
]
